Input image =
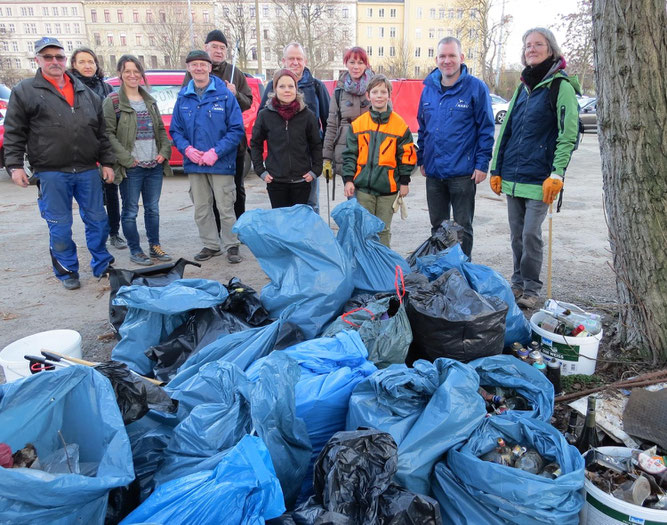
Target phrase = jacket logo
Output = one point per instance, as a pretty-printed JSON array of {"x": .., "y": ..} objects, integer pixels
[{"x": 462, "y": 104}]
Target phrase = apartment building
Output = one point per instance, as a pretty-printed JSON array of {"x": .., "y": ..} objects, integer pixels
[{"x": 380, "y": 31}]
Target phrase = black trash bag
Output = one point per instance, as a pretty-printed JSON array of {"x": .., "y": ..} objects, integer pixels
[
  {"x": 160, "y": 275},
  {"x": 202, "y": 326},
  {"x": 244, "y": 303},
  {"x": 135, "y": 396},
  {"x": 450, "y": 319},
  {"x": 445, "y": 236},
  {"x": 289, "y": 334},
  {"x": 353, "y": 484},
  {"x": 122, "y": 501}
]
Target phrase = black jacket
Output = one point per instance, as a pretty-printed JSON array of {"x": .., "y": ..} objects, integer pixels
[
  {"x": 56, "y": 136},
  {"x": 94, "y": 83},
  {"x": 294, "y": 146}
]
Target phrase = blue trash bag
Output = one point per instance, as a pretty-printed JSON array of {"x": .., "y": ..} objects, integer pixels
[
  {"x": 80, "y": 403},
  {"x": 373, "y": 265},
  {"x": 218, "y": 406},
  {"x": 331, "y": 367},
  {"x": 509, "y": 372},
  {"x": 305, "y": 263},
  {"x": 384, "y": 328},
  {"x": 241, "y": 348},
  {"x": 241, "y": 489},
  {"x": 474, "y": 491},
  {"x": 483, "y": 280},
  {"x": 427, "y": 409},
  {"x": 154, "y": 312}
]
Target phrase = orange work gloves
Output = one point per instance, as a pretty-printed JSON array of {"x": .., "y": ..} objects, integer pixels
[
  {"x": 551, "y": 187},
  {"x": 496, "y": 183}
]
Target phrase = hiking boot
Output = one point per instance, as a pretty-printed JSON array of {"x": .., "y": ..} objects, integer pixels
[
  {"x": 156, "y": 252},
  {"x": 72, "y": 283},
  {"x": 233, "y": 255},
  {"x": 528, "y": 302},
  {"x": 517, "y": 293},
  {"x": 117, "y": 242},
  {"x": 206, "y": 253},
  {"x": 141, "y": 258}
]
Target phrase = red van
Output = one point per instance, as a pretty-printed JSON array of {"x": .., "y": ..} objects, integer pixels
[{"x": 166, "y": 84}]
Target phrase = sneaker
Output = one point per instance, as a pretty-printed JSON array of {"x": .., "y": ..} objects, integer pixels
[
  {"x": 117, "y": 242},
  {"x": 233, "y": 255},
  {"x": 72, "y": 283},
  {"x": 517, "y": 292},
  {"x": 206, "y": 253},
  {"x": 156, "y": 252},
  {"x": 141, "y": 258},
  {"x": 528, "y": 302}
]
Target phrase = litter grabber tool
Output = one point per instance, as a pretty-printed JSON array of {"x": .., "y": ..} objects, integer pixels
[
  {"x": 550, "y": 215},
  {"x": 40, "y": 364},
  {"x": 55, "y": 356}
]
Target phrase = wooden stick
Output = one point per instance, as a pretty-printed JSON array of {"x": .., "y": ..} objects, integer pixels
[
  {"x": 551, "y": 211},
  {"x": 642, "y": 380}
]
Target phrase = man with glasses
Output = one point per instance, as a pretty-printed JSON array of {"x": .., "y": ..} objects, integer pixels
[{"x": 59, "y": 123}]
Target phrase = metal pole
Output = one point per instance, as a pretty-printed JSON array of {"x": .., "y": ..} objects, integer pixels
[
  {"x": 192, "y": 29},
  {"x": 259, "y": 39},
  {"x": 551, "y": 214}
]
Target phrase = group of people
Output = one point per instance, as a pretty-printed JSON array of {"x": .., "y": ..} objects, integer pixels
[{"x": 300, "y": 132}]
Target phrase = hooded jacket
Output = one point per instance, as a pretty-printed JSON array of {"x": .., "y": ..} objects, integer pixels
[
  {"x": 294, "y": 146},
  {"x": 57, "y": 136},
  {"x": 380, "y": 154},
  {"x": 455, "y": 126},
  {"x": 534, "y": 140},
  {"x": 215, "y": 121}
]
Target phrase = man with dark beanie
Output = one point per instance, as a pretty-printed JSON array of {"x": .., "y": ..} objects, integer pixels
[{"x": 216, "y": 47}]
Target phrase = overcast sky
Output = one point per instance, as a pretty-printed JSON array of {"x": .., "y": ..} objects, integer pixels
[{"x": 532, "y": 13}]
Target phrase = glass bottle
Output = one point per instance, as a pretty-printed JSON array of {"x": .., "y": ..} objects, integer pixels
[
  {"x": 531, "y": 462},
  {"x": 588, "y": 437}
]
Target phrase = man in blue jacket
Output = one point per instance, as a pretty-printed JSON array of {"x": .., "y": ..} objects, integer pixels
[
  {"x": 315, "y": 95},
  {"x": 455, "y": 138},
  {"x": 207, "y": 127}
]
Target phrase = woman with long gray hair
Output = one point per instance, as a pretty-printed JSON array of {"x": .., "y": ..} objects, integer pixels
[{"x": 532, "y": 152}]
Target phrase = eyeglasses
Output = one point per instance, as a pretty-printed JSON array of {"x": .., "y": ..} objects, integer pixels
[
  {"x": 537, "y": 45},
  {"x": 59, "y": 58}
]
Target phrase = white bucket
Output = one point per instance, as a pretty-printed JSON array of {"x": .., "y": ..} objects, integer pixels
[
  {"x": 601, "y": 508},
  {"x": 66, "y": 342},
  {"x": 578, "y": 354}
]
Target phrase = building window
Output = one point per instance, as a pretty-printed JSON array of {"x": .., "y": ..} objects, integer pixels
[
  {"x": 5, "y": 45},
  {"x": 77, "y": 28},
  {"x": 451, "y": 13},
  {"x": 266, "y": 34},
  {"x": 369, "y": 51},
  {"x": 381, "y": 51},
  {"x": 93, "y": 15},
  {"x": 369, "y": 31},
  {"x": 110, "y": 39},
  {"x": 418, "y": 33},
  {"x": 112, "y": 61},
  {"x": 47, "y": 28},
  {"x": 153, "y": 62},
  {"x": 441, "y": 32},
  {"x": 473, "y": 13},
  {"x": 253, "y": 53},
  {"x": 57, "y": 29},
  {"x": 417, "y": 71},
  {"x": 346, "y": 12},
  {"x": 119, "y": 14},
  {"x": 54, "y": 10},
  {"x": 17, "y": 61},
  {"x": 381, "y": 32},
  {"x": 431, "y": 33},
  {"x": 430, "y": 52},
  {"x": 70, "y": 46},
  {"x": 151, "y": 40},
  {"x": 419, "y": 12},
  {"x": 252, "y": 12},
  {"x": 418, "y": 52},
  {"x": 381, "y": 13},
  {"x": 206, "y": 17},
  {"x": 472, "y": 34},
  {"x": 45, "y": 11},
  {"x": 265, "y": 10},
  {"x": 441, "y": 12},
  {"x": 63, "y": 11},
  {"x": 75, "y": 11},
  {"x": 392, "y": 32},
  {"x": 15, "y": 45},
  {"x": 98, "y": 40},
  {"x": 138, "y": 39},
  {"x": 123, "y": 40},
  {"x": 369, "y": 12},
  {"x": 346, "y": 34},
  {"x": 431, "y": 12},
  {"x": 459, "y": 13},
  {"x": 267, "y": 53},
  {"x": 8, "y": 10},
  {"x": 149, "y": 16},
  {"x": 167, "y": 61},
  {"x": 12, "y": 28},
  {"x": 135, "y": 17},
  {"x": 471, "y": 55},
  {"x": 392, "y": 51},
  {"x": 66, "y": 28},
  {"x": 392, "y": 13},
  {"x": 141, "y": 59},
  {"x": 380, "y": 69},
  {"x": 163, "y": 17},
  {"x": 107, "y": 16}
]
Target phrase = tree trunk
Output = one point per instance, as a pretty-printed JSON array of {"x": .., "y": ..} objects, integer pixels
[{"x": 631, "y": 65}]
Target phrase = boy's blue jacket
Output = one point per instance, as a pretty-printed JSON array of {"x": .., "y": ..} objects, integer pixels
[
  {"x": 455, "y": 126},
  {"x": 215, "y": 121}
]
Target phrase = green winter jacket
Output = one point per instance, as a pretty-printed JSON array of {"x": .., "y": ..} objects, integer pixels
[
  {"x": 380, "y": 154},
  {"x": 121, "y": 122}
]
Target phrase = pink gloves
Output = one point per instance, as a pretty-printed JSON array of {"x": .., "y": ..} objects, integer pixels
[
  {"x": 209, "y": 158},
  {"x": 193, "y": 154}
]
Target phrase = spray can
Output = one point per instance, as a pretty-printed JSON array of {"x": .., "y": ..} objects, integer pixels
[
  {"x": 553, "y": 375},
  {"x": 516, "y": 348}
]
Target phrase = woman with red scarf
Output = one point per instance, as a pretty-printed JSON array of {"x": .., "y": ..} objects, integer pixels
[{"x": 292, "y": 135}]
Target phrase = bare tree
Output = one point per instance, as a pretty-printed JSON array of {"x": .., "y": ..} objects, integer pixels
[
  {"x": 318, "y": 25},
  {"x": 402, "y": 64},
  {"x": 630, "y": 64},
  {"x": 488, "y": 36},
  {"x": 239, "y": 25},
  {"x": 578, "y": 45}
]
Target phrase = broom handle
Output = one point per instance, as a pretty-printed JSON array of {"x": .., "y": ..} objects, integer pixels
[{"x": 551, "y": 210}]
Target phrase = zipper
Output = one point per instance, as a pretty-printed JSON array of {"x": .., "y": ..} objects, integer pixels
[
  {"x": 523, "y": 124},
  {"x": 289, "y": 156},
  {"x": 370, "y": 157}
]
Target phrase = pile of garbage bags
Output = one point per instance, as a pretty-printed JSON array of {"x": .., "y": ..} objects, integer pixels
[{"x": 347, "y": 391}]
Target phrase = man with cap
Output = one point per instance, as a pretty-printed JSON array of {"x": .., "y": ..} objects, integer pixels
[
  {"x": 216, "y": 47},
  {"x": 206, "y": 127},
  {"x": 315, "y": 96},
  {"x": 59, "y": 123}
]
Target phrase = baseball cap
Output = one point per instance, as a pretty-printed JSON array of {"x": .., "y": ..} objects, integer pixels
[{"x": 47, "y": 41}]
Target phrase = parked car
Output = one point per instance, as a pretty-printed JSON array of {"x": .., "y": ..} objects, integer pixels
[
  {"x": 588, "y": 120},
  {"x": 3, "y": 110},
  {"x": 500, "y": 107},
  {"x": 164, "y": 87}
]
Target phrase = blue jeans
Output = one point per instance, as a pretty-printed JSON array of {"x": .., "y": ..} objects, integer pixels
[
  {"x": 55, "y": 205},
  {"x": 146, "y": 182},
  {"x": 457, "y": 193},
  {"x": 526, "y": 217}
]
